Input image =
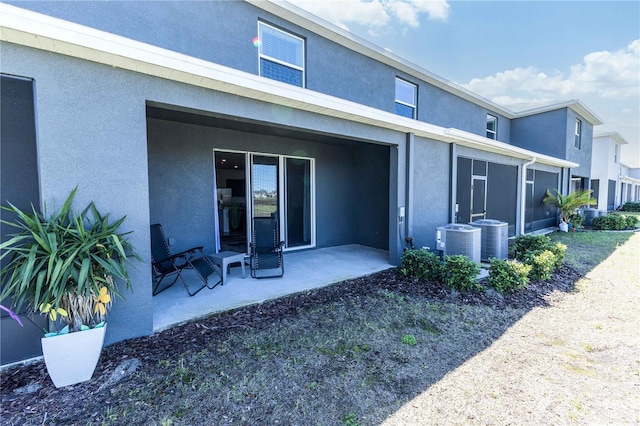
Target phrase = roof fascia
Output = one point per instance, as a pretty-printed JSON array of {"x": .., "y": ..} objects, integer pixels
[
  {"x": 574, "y": 104},
  {"x": 615, "y": 136}
]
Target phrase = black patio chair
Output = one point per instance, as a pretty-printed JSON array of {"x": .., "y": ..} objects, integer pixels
[
  {"x": 266, "y": 248},
  {"x": 164, "y": 264}
]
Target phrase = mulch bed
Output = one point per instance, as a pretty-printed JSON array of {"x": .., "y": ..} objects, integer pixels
[{"x": 28, "y": 389}]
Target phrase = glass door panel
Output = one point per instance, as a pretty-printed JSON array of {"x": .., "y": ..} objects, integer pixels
[
  {"x": 264, "y": 186},
  {"x": 231, "y": 181},
  {"x": 298, "y": 202}
]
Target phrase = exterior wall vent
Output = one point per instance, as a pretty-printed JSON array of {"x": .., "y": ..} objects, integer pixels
[{"x": 457, "y": 238}]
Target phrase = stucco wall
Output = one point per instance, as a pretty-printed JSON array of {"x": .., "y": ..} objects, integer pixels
[
  {"x": 544, "y": 133},
  {"x": 91, "y": 133},
  {"x": 222, "y": 32},
  {"x": 430, "y": 190},
  {"x": 582, "y": 156}
]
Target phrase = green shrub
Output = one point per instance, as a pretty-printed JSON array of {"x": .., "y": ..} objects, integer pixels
[
  {"x": 507, "y": 276},
  {"x": 631, "y": 207},
  {"x": 422, "y": 264},
  {"x": 525, "y": 244},
  {"x": 558, "y": 250},
  {"x": 632, "y": 221},
  {"x": 542, "y": 264},
  {"x": 610, "y": 222},
  {"x": 461, "y": 273}
]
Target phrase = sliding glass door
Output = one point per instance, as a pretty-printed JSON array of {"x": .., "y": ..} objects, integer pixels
[{"x": 262, "y": 185}]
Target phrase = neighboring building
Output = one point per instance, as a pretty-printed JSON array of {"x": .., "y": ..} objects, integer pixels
[
  {"x": 629, "y": 185},
  {"x": 178, "y": 112},
  {"x": 611, "y": 182}
]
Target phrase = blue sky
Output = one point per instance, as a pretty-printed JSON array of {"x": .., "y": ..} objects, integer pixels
[{"x": 515, "y": 52}]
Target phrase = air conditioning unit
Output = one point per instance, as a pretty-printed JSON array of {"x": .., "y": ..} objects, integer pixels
[
  {"x": 494, "y": 237},
  {"x": 458, "y": 238}
]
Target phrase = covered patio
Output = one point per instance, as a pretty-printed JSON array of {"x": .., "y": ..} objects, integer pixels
[{"x": 304, "y": 270}]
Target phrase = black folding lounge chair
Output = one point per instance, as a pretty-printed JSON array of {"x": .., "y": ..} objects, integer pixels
[
  {"x": 165, "y": 264},
  {"x": 266, "y": 248}
]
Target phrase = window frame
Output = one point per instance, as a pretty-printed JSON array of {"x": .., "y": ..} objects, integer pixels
[
  {"x": 616, "y": 154},
  {"x": 414, "y": 106},
  {"x": 577, "y": 133},
  {"x": 266, "y": 57},
  {"x": 492, "y": 132}
]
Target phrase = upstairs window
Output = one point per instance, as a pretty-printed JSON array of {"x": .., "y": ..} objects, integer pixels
[
  {"x": 406, "y": 98},
  {"x": 492, "y": 127},
  {"x": 281, "y": 55},
  {"x": 616, "y": 153},
  {"x": 578, "y": 131}
]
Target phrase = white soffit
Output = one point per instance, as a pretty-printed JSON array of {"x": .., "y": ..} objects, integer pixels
[
  {"x": 615, "y": 136},
  {"x": 27, "y": 28}
]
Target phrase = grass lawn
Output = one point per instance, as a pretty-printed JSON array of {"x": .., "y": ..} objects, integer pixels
[{"x": 586, "y": 249}]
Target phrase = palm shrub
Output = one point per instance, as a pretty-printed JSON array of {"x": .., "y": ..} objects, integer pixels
[
  {"x": 461, "y": 273},
  {"x": 507, "y": 276},
  {"x": 568, "y": 204},
  {"x": 421, "y": 263},
  {"x": 66, "y": 263}
]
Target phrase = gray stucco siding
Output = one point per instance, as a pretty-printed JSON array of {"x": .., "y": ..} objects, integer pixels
[
  {"x": 582, "y": 156},
  {"x": 91, "y": 133},
  {"x": 222, "y": 31},
  {"x": 544, "y": 133},
  {"x": 431, "y": 176}
]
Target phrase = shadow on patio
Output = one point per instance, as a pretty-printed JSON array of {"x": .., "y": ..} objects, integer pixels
[{"x": 304, "y": 270}]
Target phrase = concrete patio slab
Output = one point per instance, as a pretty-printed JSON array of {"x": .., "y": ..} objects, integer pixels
[{"x": 304, "y": 270}]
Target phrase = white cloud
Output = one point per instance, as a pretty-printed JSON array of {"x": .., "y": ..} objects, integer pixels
[
  {"x": 376, "y": 14},
  {"x": 608, "y": 83},
  {"x": 606, "y": 74}
]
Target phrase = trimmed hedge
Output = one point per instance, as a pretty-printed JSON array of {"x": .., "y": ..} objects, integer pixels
[
  {"x": 630, "y": 207},
  {"x": 507, "y": 276},
  {"x": 422, "y": 263},
  {"x": 540, "y": 253},
  {"x": 542, "y": 264},
  {"x": 461, "y": 273},
  {"x": 525, "y": 244},
  {"x": 614, "y": 222}
]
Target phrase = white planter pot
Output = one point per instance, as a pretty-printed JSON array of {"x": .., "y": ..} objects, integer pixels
[
  {"x": 564, "y": 226},
  {"x": 72, "y": 358}
]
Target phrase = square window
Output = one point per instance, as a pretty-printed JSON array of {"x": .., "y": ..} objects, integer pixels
[
  {"x": 578, "y": 130},
  {"x": 492, "y": 127},
  {"x": 281, "y": 55},
  {"x": 406, "y": 98}
]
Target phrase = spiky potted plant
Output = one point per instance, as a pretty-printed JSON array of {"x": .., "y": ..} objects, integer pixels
[
  {"x": 569, "y": 204},
  {"x": 66, "y": 265}
]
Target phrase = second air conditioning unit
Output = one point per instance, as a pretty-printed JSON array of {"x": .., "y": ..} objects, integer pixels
[
  {"x": 495, "y": 238},
  {"x": 458, "y": 238}
]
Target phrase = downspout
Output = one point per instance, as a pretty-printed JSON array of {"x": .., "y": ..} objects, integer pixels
[{"x": 523, "y": 192}]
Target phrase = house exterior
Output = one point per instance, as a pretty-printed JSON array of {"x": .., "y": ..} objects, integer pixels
[
  {"x": 629, "y": 184},
  {"x": 201, "y": 115},
  {"x": 612, "y": 182}
]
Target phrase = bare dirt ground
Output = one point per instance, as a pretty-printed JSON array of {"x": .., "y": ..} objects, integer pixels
[{"x": 382, "y": 348}]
